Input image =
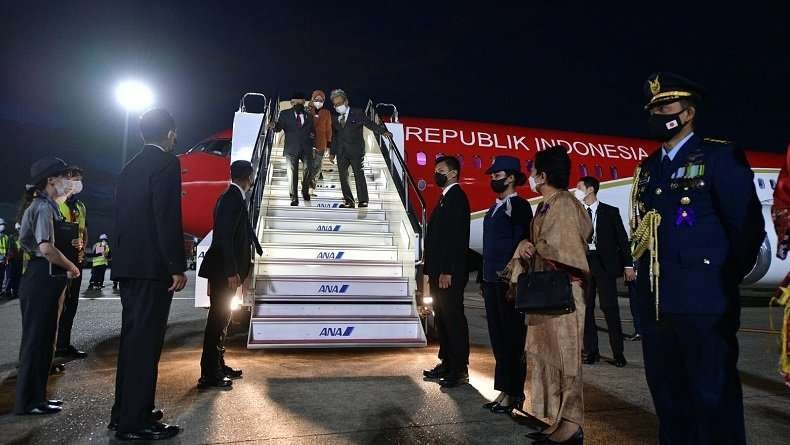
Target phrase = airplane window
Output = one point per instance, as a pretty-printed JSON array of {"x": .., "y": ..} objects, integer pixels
[
  {"x": 478, "y": 162},
  {"x": 220, "y": 147},
  {"x": 201, "y": 147},
  {"x": 773, "y": 183},
  {"x": 761, "y": 182},
  {"x": 583, "y": 170},
  {"x": 598, "y": 171},
  {"x": 421, "y": 158},
  {"x": 614, "y": 173}
]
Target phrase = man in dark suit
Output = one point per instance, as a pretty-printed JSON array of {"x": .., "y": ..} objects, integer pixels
[
  {"x": 226, "y": 266},
  {"x": 709, "y": 235},
  {"x": 348, "y": 144},
  {"x": 446, "y": 245},
  {"x": 609, "y": 257},
  {"x": 149, "y": 263},
  {"x": 299, "y": 144}
]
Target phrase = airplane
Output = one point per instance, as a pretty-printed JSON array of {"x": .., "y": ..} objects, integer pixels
[{"x": 611, "y": 159}]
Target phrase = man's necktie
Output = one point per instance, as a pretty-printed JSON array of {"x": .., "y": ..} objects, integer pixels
[
  {"x": 665, "y": 167},
  {"x": 343, "y": 120},
  {"x": 592, "y": 234},
  {"x": 299, "y": 120}
]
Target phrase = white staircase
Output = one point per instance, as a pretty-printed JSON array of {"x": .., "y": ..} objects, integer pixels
[{"x": 333, "y": 277}]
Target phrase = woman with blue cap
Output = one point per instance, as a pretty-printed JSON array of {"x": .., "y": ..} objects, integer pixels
[{"x": 506, "y": 223}]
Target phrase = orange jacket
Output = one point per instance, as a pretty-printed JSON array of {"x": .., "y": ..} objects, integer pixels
[{"x": 323, "y": 128}]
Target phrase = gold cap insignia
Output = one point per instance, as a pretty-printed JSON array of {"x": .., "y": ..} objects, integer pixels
[{"x": 655, "y": 85}]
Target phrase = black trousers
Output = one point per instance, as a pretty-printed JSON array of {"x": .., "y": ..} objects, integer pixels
[
  {"x": 3, "y": 268},
  {"x": 219, "y": 314},
  {"x": 97, "y": 275},
  {"x": 13, "y": 277},
  {"x": 146, "y": 306},
  {"x": 293, "y": 173},
  {"x": 508, "y": 334},
  {"x": 605, "y": 286},
  {"x": 691, "y": 370},
  {"x": 70, "y": 304},
  {"x": 40, "y": 298},
  {"x": 355, "y": 163},
  {"x": 451, "y": 325}
]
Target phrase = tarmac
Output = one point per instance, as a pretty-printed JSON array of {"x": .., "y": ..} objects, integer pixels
[{"x": 353, "y": 396}]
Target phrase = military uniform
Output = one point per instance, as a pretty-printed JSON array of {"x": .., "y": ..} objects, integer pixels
[{"x": 710, "y": 230}]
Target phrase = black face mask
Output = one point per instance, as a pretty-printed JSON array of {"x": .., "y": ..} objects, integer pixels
[
  {"x": 498, "y": 185},
  {"x": 298, "y": 108},
  {"x": 440, "y": 179},
  {"x": 664, "y": 127}
]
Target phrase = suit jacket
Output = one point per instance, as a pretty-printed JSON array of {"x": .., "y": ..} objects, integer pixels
[
  {"x": 611, "y": 242},
  {"x": 447, "y": 236},
  {"x": 148, "y": 241},
  {"x": 704, "y": 258},
  {"x": 347, "y": 140},
  {"x": 298, "y": 140},
  {"x": 322, "y": 121}
]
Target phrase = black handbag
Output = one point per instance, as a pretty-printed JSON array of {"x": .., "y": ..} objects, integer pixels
[{"x": 546, "y": 293}]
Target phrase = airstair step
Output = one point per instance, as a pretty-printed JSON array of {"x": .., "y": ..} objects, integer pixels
[
  {"x": 336, "y": 332},
  {"x": 320, "y": 203},
  {"x": 335, "y": 288},
  {"x": 318, "y": 268},
  {"x": 327, "y": 238},
  {"x": 336, "y": 214},
  {"x": 330, "y": 254},
  {"x": 308, "y": 309},
  {"x": 316, "y": 224}
]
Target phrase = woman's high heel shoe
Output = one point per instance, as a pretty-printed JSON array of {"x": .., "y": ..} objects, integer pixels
[
  {"x": 490, "y": 405},
  {"x": 576, "y": 439},
  {"x": 537, "y": 435}
]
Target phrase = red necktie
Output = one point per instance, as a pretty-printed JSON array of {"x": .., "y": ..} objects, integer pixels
[{"x": 299, "y": 120}]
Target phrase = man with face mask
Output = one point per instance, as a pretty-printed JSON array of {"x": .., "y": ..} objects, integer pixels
[
  {"x": 73, "y": 211},
  {"x": 349, "y": 146},
  {"x": 149, "y": 262},
  {"x": 299, "y": 145},
  {"x": 445, "y": 268},
  {"x": 697, "y": 227},
  {"x": 609, "y": 257},
  {"x": 226, "y": 266}
]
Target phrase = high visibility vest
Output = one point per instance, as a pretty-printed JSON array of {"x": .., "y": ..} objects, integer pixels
[
  {"x": 102, "y": 252},
  {"x": 74, "y": 213},
  {"x": 4, "y": 243}
]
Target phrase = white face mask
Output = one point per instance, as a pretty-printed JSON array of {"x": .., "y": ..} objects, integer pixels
[
  {"x": 341, "y": 108},
  {"x": 2, "y": 228},
  {"x": 580, "y": 194},
  {"x": 76, "y": 187},
  {"x": 318, "y": 105},
  {"x": 533, "y": 185},
  {"x": 63, "y": 187},
  {"x": 17, "y": 226}
]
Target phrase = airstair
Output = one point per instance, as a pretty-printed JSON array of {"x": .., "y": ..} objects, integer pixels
[{"x": 329, "y": 276}]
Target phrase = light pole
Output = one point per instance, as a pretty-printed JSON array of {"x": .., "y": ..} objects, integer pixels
[{"x": 132, "y": 96}]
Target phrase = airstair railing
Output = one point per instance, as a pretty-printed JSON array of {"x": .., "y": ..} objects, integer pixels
[
  {"x": 399, "y": 172},
  {"x": 261, "y": 157}
]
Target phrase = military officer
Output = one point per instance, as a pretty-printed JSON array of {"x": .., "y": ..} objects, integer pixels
[{"x": 697, "y": 228}]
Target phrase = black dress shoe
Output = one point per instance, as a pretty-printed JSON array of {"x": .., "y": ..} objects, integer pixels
[
  {"x": 156, "y": 415},
  {"x": 619, "y": 361},
  {"x": 45, "y": 409},
  {"x": 232, "y": 373},
  {"x": 576, "y": 439},
  {"x": 211, "y": 382},
  {"x": 490, "y": 405},
  {"x": 363, "y": 204},
  {"x": 347, "y": 205},
  {"x": 55, "y": 402},
  {"x": 635, "y": 337},
  {"x": 507, "y": 409},
  {"x": 295, "y": 202},
  {"x": 306, "y": 196},
  {"x": 591, "y": 359},
  {"x": 70, "y": 351},
  {"x": 453, "y": 379},
  {"x": 57, "y": 369},
  {"x": 436, "y": 373},
  {"x": 159, "y": 431}
]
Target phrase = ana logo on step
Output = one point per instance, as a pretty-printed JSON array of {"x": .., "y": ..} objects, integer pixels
[
  {"x": 327, "y": 205},
  {"x": 333, "y": 289},
  {"x": 328, "y": 228},
  {"x": 330, "y": 255},
  {"x": 336, "y": 332}
]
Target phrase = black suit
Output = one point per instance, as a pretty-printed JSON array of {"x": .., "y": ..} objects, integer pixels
[
  {"x": 299, "y": 142},
  {"x": 446, "y": 245},
  {"x": 148, "y": 248},
  {"x": 230, "y": 254},
  {"x": 607, "y": 262},
  {"x": 348, "y": 144}
]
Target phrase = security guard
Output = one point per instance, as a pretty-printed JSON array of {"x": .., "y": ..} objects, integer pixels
[
  {"x": 73, "y": 211},
  {"x": 101, "y": 259},
  {"x": 697, "y": 227},
  {"x": 6, "y": 245}
]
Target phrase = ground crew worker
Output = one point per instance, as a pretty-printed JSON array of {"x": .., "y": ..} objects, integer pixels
[
  {"x": 5, "y": 249},
  {"x": 73, "y": 210},
  {"x": 14, "y": 268},
  {"x": 100, "y": 261},
  {"x": 43, "y": 284},
  {"x": 698, "y": 229}
]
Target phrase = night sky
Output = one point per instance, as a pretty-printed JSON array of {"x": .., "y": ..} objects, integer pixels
[{"x": 544, "y": 64}]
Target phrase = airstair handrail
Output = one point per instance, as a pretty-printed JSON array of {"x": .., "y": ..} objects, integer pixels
[
  {"x": 261, "y": 158},
  {"x": 243, "y": 107},
  {"x": 394, "y": 155}
]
